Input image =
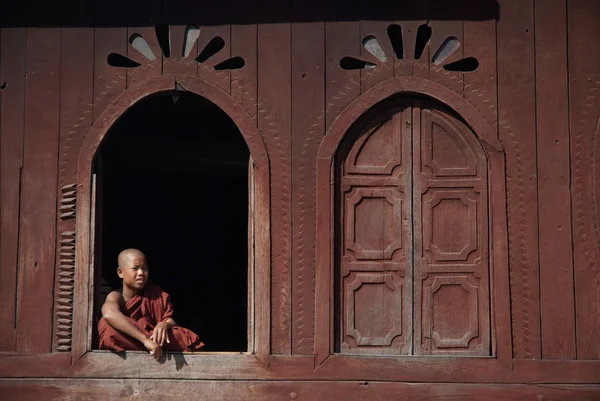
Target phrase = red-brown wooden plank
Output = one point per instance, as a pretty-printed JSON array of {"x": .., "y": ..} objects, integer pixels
[
  {"x": 142, "y": 15},
  {"x": 479, "y": 41},
  {"x": 177, "y": 63},
  {"x": 219, "y": 78},
  {"x": 12, "y": 72},
  {"x": 179, "y": 14},
  {"x": 409, "y": 28},
  {"x": 342, "y": 39},
  {"x": 108, "y": 81},
  {"x": 244, "y": 81},
  {"x": 421, "y": 66},
  {"x": 77, "y": 80},
  {"x": 89, "y": 389},
  {"x": 554, "y": 202},
  {"x": 440, "y": 32},
  {"x": 516, "y": 105},
  {"x": 38, "y": 202},
  {"x": 584, "y": 87},
  {"x": 383, "y": 70},
  {"x": 274, "y": 115},
  {"x": 308, "y": 127}
]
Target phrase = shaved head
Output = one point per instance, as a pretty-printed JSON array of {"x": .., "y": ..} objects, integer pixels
[{"x": 128, "y": 254}]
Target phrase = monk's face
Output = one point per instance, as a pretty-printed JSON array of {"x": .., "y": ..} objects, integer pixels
[{"x": 134, "y": 271}]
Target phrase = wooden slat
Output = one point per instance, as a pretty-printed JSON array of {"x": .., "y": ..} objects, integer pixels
[
  {"x": 584, "y": 87},
  {"x": 244, "y": 81},
  {"x": 556, "y": 263},
  {"x": 77, "y": 80},
  {"x": 61, "y": 389},
  {"x": 308, "y": 127},
  {"x": 383, "y": 70},
  {"x": 409, "y": 36},
  {"x": 38, "y": 203},
  {"x": 342, "y": 39},
  {"x": 142, "y": 15},
  {"x": 516, "y": 105},
  {"x": 274, "y": 115},
  {"x": 442, "y": 30},
  {"x": 205, "y": 70},
  {"x": 139, "y": 365},
  {"x": 176, "y": 63},
  {"x": 108, "y": 81},
  {"x": 12, "y": 71},
  {"x": 479, "y": 41}
]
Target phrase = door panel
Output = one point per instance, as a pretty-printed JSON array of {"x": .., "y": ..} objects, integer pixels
[
  {"x": 376, "y": 301},
  {"x": 451, "y": 237},
  {"x": 413, "y": 241}
]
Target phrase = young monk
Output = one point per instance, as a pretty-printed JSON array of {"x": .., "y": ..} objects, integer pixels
[{"x": 140, "y": 316}]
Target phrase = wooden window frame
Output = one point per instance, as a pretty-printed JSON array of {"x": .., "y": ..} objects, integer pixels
[
  {"x": 499, "y": 276},
  {"x": 83, "y": 294}
]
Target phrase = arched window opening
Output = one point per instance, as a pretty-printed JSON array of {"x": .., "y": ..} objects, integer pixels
[
  {"x": 171, "y": 178},
  {"x": 412, "y": 266}
]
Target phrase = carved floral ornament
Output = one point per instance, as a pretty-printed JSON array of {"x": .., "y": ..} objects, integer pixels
[
  {"x": 422, "y": 40},
  {"x": 183, "y": 50}
]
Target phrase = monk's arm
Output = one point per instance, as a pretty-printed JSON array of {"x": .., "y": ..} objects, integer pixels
[{"x": 111, "y": 311}]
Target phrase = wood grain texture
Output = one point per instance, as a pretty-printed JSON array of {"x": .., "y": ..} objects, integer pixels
[
  {"x": 140, "y": 365},
  {"x": 274, "y": 120},
  {"x": 554, "y": 202},
  {"x": 37, "y": 239},
  {"x": 217, "y": 390},
  {"x": 244, "y": 81},
  {"x": 441, "y": 32},
  {"x": 480, "y": 86},
  {"x": 308, "y": 68},
  {"x": 383, "y": 69},
  {"x": 77, "y": 80},
  {"x": 177, "y": 63},
  {"x": 516, "y": 105},
  {"x": 12, "y": 71},
  {"x": 342, "y": 39},
  {"x": 142, "y": 16},
  {"x": 108, "y": 81},
  {"x": 584, "y": 84},
  {"x": 308, "y": 128},
  {"x": 206, "y": 70}
]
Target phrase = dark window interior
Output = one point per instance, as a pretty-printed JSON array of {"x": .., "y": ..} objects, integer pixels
[{"x": 172, "y": 181}]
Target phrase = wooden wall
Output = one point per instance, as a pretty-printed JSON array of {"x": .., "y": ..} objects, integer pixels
[{"x": 538, "y": 84}]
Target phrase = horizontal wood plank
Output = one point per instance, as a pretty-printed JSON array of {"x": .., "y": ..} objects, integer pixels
[
  {"x": 50, "y": 389},
  {"x": 232, "y": 366}
]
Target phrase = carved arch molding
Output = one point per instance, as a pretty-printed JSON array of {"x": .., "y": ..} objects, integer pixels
[
  {"x": 72, "y": 316},
  {"x": 418, "y": 175}
]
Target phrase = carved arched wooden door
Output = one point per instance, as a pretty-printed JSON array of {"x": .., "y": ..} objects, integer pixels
[{"x": 412, "y": 236}]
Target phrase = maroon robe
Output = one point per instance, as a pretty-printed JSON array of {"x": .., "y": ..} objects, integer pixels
[{"x": 145, "y": 311}]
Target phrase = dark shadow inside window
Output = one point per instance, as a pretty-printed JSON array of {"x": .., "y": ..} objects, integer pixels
[{"x": 172, "y": 181}]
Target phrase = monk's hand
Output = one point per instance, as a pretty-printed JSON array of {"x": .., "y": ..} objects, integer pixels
[
  {"x": 154, "y": 348},
  {"x": 160, "y": 334}
]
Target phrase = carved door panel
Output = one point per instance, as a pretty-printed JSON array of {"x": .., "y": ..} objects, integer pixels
[
  {"x": 451, "y": 283},
  {"x": 376, "y": 300},
  {"x": 413, "y": 245}
]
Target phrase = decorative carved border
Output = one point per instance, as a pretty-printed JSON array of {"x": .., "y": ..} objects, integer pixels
[
  {"x": 83, "y": 275},
  {"x": 480, "y": 126}
]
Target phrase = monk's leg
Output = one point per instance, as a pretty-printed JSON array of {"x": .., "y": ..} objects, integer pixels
[
  {"x": 112, "y": 339},
  {"x": 182, "y": 339}
]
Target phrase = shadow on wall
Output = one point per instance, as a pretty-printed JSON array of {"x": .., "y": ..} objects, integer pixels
[{"x": 105, "y": 13}]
